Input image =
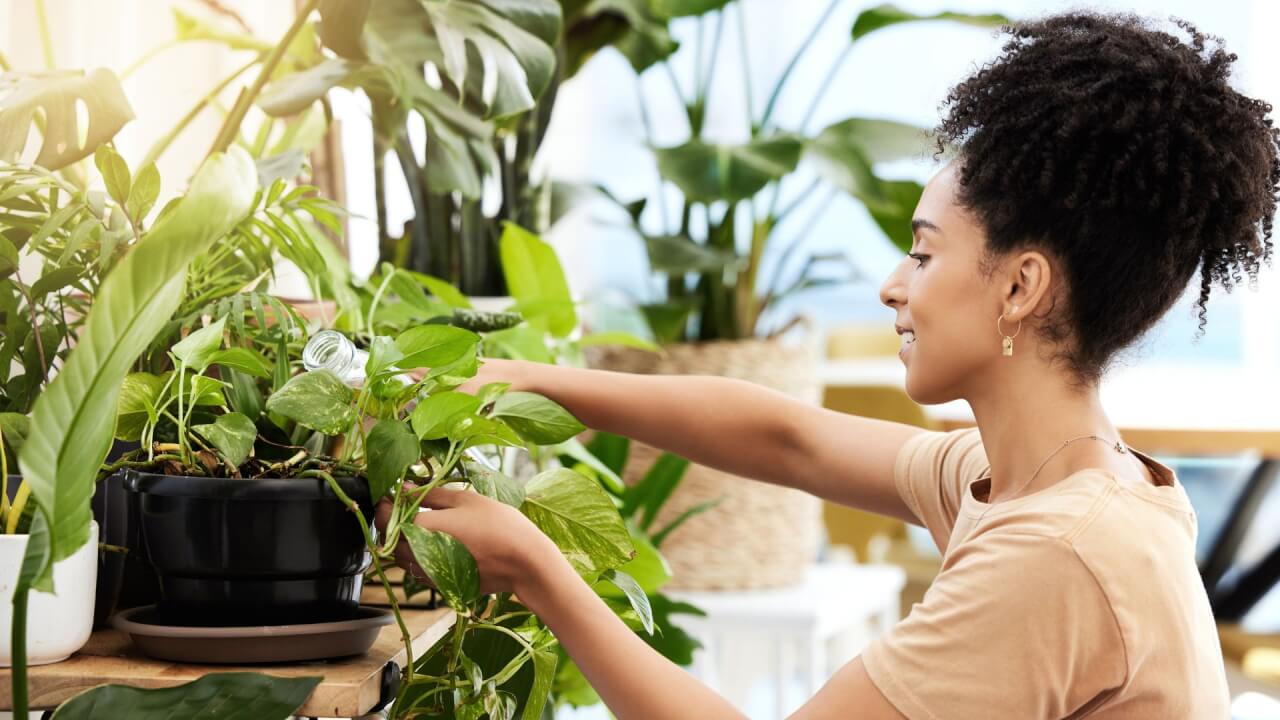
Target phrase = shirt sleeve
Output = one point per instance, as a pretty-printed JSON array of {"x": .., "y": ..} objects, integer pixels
[
  {"x": 1016, "y": 626},
  {"x": 933, "y": 471}
]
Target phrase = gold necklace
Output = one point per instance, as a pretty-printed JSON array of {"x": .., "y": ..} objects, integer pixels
[{"x": 1117, "y": 446}]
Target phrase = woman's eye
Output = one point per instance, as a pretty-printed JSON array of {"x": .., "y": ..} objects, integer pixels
[{"x": 918, "y": 258}]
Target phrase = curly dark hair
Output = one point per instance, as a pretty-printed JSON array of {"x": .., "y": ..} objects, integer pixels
[{"x": 1122, "y": 151}]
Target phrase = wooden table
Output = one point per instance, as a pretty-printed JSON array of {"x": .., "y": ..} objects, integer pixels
[{"x": 351, "y": 686}]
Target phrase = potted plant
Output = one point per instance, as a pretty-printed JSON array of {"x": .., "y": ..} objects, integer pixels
[{"x": 711, "y": 250}]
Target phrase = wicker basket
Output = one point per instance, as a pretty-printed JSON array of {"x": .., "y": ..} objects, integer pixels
[{"x": 759, "y": 535}]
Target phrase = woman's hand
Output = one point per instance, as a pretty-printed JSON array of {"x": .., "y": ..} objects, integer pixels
[{"x": 510, "y": 551}]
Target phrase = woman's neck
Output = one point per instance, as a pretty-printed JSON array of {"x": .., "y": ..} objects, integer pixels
[{"x": 1026, "y": 416}]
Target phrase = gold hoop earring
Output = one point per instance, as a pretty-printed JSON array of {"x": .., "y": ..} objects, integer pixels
[{"x": 1008, "y": 339}]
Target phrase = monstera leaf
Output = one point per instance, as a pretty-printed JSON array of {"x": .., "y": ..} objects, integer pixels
[
  {"x": 707, "y": 173},
  {"x": 56, "y": 96}
]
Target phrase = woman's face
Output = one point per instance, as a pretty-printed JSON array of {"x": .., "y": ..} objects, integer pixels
[{"x": 945, "y": 301}]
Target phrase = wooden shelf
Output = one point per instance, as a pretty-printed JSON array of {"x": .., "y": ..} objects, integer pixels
[{"x": 351, "y": 686}]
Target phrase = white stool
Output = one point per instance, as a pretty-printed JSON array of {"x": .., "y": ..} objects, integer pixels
[{"x": 818, "y": 625}]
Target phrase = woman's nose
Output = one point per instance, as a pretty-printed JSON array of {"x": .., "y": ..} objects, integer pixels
[{"x": 892, "y": 292}]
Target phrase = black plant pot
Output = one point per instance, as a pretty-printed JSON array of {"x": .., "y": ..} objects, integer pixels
[{"x": 252, "y": 552}]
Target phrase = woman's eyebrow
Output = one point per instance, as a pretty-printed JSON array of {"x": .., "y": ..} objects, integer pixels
[{"x": 918, "y": 223}]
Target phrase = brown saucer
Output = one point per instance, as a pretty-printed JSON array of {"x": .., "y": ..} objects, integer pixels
[{"x": 251, "y": 644}]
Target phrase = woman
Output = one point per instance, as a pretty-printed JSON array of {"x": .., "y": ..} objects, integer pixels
[{"x": 1101, "y": 162}]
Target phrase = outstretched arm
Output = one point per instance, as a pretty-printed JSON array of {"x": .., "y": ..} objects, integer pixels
[{"x": 731, "y": 425}]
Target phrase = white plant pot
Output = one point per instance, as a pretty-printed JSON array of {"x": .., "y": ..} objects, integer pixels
[{"x": 57, "y": 625}]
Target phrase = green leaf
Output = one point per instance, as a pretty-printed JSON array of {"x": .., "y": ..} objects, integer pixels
[
  {"x": 635, "y": 595},
  {"x": 503, "y": 66},
  {"x": 648, "y": 496},
  {"x": 544, "y": 674},
  {"x": 8, "y": 257},
  {"x": 535, "y": 278},
  {"x": 476, "y": 430},
  {"x": 196, "y": 350},
  {"x": 518, "y": 343},
  {"x": 316, "y": 400},
  {"x": 492, "y": 391},
  {"x": 882, "y": 16},
  {"x": 877, "y": 140},
  {"x": 671, "y": 641},
  {"x": 633, "y": 27},
  {"x": 495, "y": 485},
  {"x": 115, "y": 173},
  {"x": 446, "y": 293},
  {"x": 145, "y": 190},
  {"x": 608, "y": 475},
  {"x": 433, "y": 417},
  {"x": 342, "y": 27},
  {"x": 580, "y": 518},
  {"x": 139, "y": 395},
  {"x": 448, "y": 563},
  {"x": 684, "y": 517},
  {"x": 245, "y": 360},
  {"x": 389, "y": 450},
  {"x": 296, "y": 91},
  {"x": 57, "y": 95},
  {"x": 678, "y": 254},
  {"x": 538, "y": 419},
  {"x": 232, "y": 434},
  {"x": 214, "y": 696},
  {"x": 612, "y": 450},
  {"x": 707, "y": 173},
  {"x": 667, "y": 320},
  {"x": 188, "y": 27},
  {"x": 56, "y": 279},
  {"x": 687, "y": 8},
  {"x": 432, "y": 346},
  {"x": 383, "y": 356},
  {"x": 14, "y": 428},
  {"x": 74, "y": 418},
  {"x": 894, "y": 218}
]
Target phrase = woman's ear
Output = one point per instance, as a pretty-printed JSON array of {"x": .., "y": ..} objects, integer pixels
[{"x": 1029, "y": 278}]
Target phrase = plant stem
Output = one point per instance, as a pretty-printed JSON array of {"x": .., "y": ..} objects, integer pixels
[
  {"x": 705, "y": 93},
  {"x": 164, "y": 142},
  {"x": 46, "y": 41},
  {"x": 791, "y": 66},
  {"x": 647, "y": 124},
  {"x": 154, "y": 51},
  {"x": 746, "y": 67},
  {"x": 382, "y": 576},
  {"x": 231, "y": 126},
  {"x": 18, "y": 642}
]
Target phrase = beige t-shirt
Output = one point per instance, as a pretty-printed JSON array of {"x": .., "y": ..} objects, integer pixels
[{"x": 1079, "y": 600}]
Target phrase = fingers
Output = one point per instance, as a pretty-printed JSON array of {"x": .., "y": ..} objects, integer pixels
[
  {"x": 382, "y": 514},
  {"x": 444, "y": 498}
]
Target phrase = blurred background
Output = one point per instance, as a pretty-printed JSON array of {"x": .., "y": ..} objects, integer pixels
[{"x": 1208, "y": 408}]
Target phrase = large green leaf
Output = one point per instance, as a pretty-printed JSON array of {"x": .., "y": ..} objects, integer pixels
[
  {"x": 631, "y": 26},
  {"x": 882, "y": 16},
  {"x": 232, "y": 434},
  {"x": 878, "y": 140},
  {"x": 390, "y": 449},
  {"x": 58, "y": 95},
  {"x": 433, "y": 417},
  {"x": 647, "y": 497},
  {"x": 139, "y": 393},
  {"x": 677, "y": 254},
  {"x": 844, "y": 163},
  {"x": 707, "y": 173},
  {"x": 14, "y": 429},
  {"x": 536, "y": 280},
  {"x": 502, "y": 64},
  {"x": 432, "y": 346},
  {"x": 295, "y": 92},
  {"x": 580, "y": 518},
  {"x": 316, "y": 400},
  {"x": 342, "y": 26},
  {"x": 894, "y": 217},
  {"x": 495, "y": 485},
  {"x": 216, "y": 696},
  {"x": 634, "y": 594},
  {"x": 448, "y": 563},
  {"x": 196, "y": 350},
  {"x": 73, "y": 419},
  {"x": 538, "y": 419}
]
